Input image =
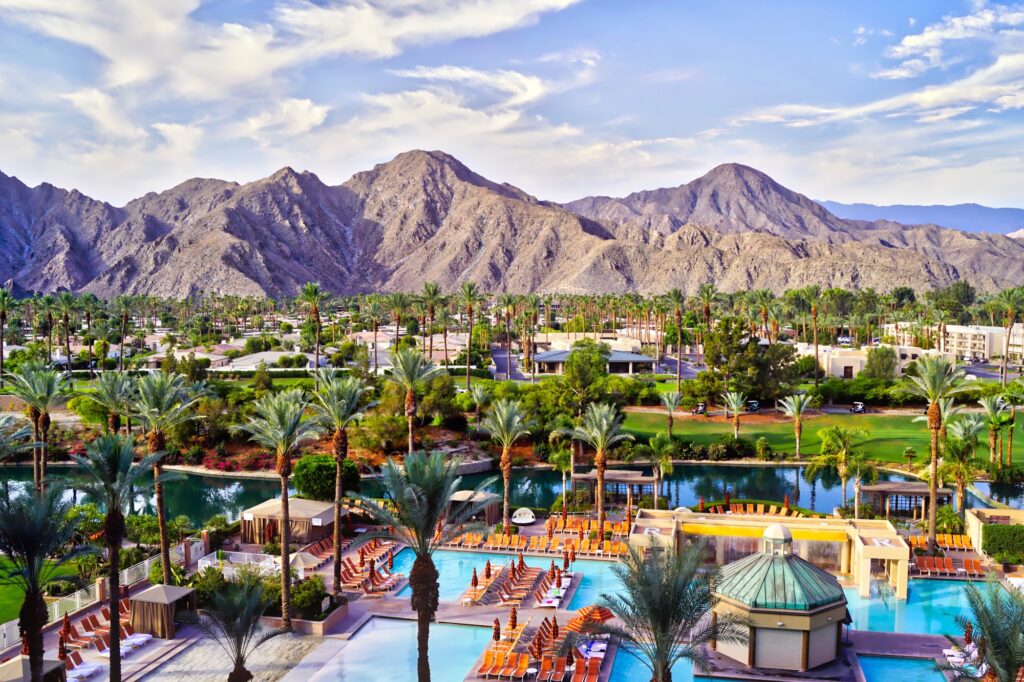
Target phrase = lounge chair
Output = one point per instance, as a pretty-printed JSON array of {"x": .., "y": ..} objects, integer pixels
[
  {"x": 922, "y": 567},
  {"x": 558, "y": 674},
  {"x": 967, "y": 542},
  {"x": 487, "y": 663},
  {"x": 594, "y": 669},
  {"x": 547, "y": 664},
  {"x": 78, "y": 669},
  {"x": 497, "y": 666}
]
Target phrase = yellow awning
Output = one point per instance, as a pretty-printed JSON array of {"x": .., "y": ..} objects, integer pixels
[{"x": 820, "y": 535}]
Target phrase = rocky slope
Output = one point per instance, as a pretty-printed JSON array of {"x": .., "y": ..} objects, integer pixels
[{"x": 425, "y": 216}]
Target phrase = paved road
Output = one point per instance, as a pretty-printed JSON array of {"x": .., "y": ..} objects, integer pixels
[
  {"x": 501, "y": 364},
  {"x": 668, "y": 366}
]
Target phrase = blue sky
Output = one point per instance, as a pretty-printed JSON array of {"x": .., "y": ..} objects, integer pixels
[{"x": 883, "y": 102}]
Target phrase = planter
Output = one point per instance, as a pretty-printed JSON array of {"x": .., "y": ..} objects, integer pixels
[{"x": 320, "y": 628}]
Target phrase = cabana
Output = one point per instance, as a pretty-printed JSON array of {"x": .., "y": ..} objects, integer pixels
[
  {"x": 491, "y": 503},
  {"x": 309, "y": 520},
  {"x": 153, "y": 609}
]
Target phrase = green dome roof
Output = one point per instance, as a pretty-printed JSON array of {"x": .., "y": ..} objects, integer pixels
[{"x": 764, "y": 581}]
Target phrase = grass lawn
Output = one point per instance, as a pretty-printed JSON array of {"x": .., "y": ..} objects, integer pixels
[
  {"x": 887, "y": 436},
  {"x": 11, "y": 596}
]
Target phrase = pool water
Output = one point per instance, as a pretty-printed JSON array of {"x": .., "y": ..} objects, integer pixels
[
  {"x": 885, "y": 668},
  {"x": 384, "y": 650},
  {"x": 931, "y": 608},
  {"x": 456, "y": 570}
]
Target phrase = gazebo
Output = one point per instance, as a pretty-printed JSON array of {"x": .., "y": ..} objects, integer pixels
[
  {"x": 794, "y": 609},
  {"x": 631, "y": 480},
  {"x": 491, "y": 502},
  {"x": 153, "y": 609},
  {"x": 902, "y": 498},
  {"x": 309, "y": 520}
]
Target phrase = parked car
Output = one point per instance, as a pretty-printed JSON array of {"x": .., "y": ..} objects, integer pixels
[{"x": 858, "y": 408}]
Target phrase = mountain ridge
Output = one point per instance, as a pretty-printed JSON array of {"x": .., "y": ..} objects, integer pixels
[
  {"x": 424, "y": 215},
  {"x": 968, "y": 217}
]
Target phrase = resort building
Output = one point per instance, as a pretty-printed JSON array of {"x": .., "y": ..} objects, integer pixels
[
  {"x": 619, "y": 362},
  {"x": 854, "y": 549},
  {"x": 794, "y": 610},
  {"x": 965, "y": 342},
  {"x": 847, "y": 363},
  {"x": 216, "y": 360}
]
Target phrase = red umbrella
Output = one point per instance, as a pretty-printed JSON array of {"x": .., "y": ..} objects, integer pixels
[
  {"x": 551, "y": 530},
  {"x": 391, "y": 561},
  {"x": 362, "y": 557},
  {"x": 565, "y": 513},
  {"x": 513, "y": 619},
  {"x": 968, "y": 633},
  {"x": 24, "y": 645},
  {"x": 785, "y": 501},
  {"x": 522, "y": 564},
  {"x": 552, "y": 566},
  {"x": 372, "y": 562},
  {"x": 65, "y": 628},
  {"x": 497, "y": 630},
  {"x": 554, "y": 627},
  {"x": 726, "y": 498},
  {"x": 487, "y": 570},
  {"x": 572, "y": 554},
  {"x": 62, "y": 647},
  {"x": 700, "y": 504},
  {"x": 540, "y": 640},
  {"x": 558, "y": 577},
  {"x": 474, "y": 582},
  {"x": 565, "y": 561},
  {"x": 580, "y": 534}
]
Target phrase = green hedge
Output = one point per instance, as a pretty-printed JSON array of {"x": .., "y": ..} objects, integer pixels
[
  {"x": 477, "y": 373},
  {"x": 1003, "y": 541}
]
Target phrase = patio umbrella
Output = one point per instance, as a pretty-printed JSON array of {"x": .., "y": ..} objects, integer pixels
[
  {"x": 540, "y": 641},
  {"x": 474, "y": 582},
  {"x": 565, "y": 561},
  {"x": 552, "y": 569},
  {"x": 362, "y": 557},
  {"x": 554, "y": 628},
  {"x": 551, "y": 530},
  {"x": 65, "y": 628},
  {"x": 372, "y": 562},
  {"x": 487, "y": 570},
  {"x": 565, "y": 513},
  {"x": 522, "y": 564},
  {"x": 558, "y": 577},
  {"x": 62, "y": 647},
  {"x": 968, "y": 633},
  {"x": 513, "y": 619},
  {"x": 572, "y": 554},
  {"x": 391, "y": 561},
  {"x": 700, "y": 504},
  {"x": 727, "y": 497},
  {"x": 24, "y": 645},
  {"x": 785, "y": 501},
  {"x": 580, "y": 534},
  {"x": 497, "y": 630}
]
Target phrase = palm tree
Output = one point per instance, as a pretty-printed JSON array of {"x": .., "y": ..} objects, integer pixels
[
  {"x": 935, "y": 380},
  {"x": 233, "y": 621},
  {"x": 997, "y": 625},
  {"x": 66, "y": 305},
  {"x": 838, "y": 451},
  {"x": 115, "y": 392},
  {"x": 506, "y": 423},
  {"x": 663, "y": 607},
  {"x": 661, "y": 451},
  {"x": 861, "y": 466},
  {"x": 481, "y": 396},
  {"x": 410, "y": 370},
  {"x": 122, "y": 307},
  {"x": 996, "y": 414},
  {"x": 671, "y": 401},
  {"x": 1010, "y": 302},
  {"x": 734, "y": 402},
  {"x": 110, "y": 475},
  {"x": 336, "y": 404},
  {"x": 420, "y": 493},
  {"x": 561, "y": 461},
  {"x": 34, "y": 532},
  {"x": 164, "y": 402},
  {"x": 602, "y": 430},
  {"x": 277, "y": 425},
  {"x": 795, "y": 406},
  {"x": 1014, "y": 396},
  {"x": 470, "y": 299},
  {"x": 374, "y": 313},
  {"x": 813, "y": 294},
  {"x": 313, "y": 298},
  {"x": 959, "y": 462},
  {"x": 40, "y": 388},
  {"x": 398, "y": 303},
  {"x": 507, "y": 309},
  {"x": 677, "y": 300},
  {"x": 15, "y": 436},
  {"x": 432, "y": 299},
  {"x": 706, "y": 293},
  {"x": 7, "y": 305}
]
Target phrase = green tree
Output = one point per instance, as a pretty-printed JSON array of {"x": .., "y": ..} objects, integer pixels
[
  {"x": 277, "y": 425},
  {"x": 795, "y": 406},
  {"x": 115, "y": 392},
  {"x": 677, "y": 301},
  {"x": 959, "y": 458},
  {"x": 111, "y": 476},
  {"x": 233, "y": 621},
  {"x": 481, "y": 396},
  {"x": 996, "y": 617},
  {"x": 663, "y": 608},
  {"x": 410, "y": 370},
  {"x": 561, "y": 460},
  {"x": 996, "y": 414},
  {"x": 8, "y": 304},
  {"x": 671, "y": 401},
  {"x": 314, "y": 298},
  {"x": 506, "y": 423},
  {"x": 420, "y": 494},
  {"x": 761, "y": 372},
  {"x": 315, "y": 477},
  {"x": 470, "y": 299},
  {"x": 881, "y": 363},
  {"x": 839, "y": 451},
  {"x": 40, "y": 388},
  {"x": 582, "y": 373},
  {"x": 734, "y": 402}
]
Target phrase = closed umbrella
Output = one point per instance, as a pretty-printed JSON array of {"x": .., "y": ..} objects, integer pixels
[
  {"x": 62, "y": 647},
  {"x": 540, "y": 641},
  {"x": 522, "y": 563},
  {"x": 785, "y": 501},
  {"x": 362, "y": 557},
  {"x": 474, "y": 582},
  {"x": 497, "y": 630},
  {"x": 968, "y": 633},
  {"x": 580, "y": 534},
  {"x": 700, "y": 504},
  {"x": 487, "y": 570},
  {"x": 65, "y": 628},
  {"x": 572, "y": 555},
  {"x": 565, "y": 561},
  {"x": 726, "y": 498},
  {"x": 551, "y": 530},
  {"x": 513, "y": 619},
  {"x": 391, "y": 561},
  {"x": 554, "y": 627}
]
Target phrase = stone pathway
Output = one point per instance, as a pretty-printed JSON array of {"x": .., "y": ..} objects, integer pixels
[{"x": 205, "y": 661}]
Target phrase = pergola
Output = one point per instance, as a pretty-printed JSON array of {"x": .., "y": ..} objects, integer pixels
[
  {"x": 309, "y": 520},
  {"x": 632, "y": 481},
  {"x": 902, "y": 498},
  {"x": 491, "y": 504}
]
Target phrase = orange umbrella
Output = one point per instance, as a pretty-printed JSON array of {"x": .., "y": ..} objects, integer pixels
[
  {"x": 474, "y": 581},
  {"x": 700, "y": 504},
  {"x": 580, "y": 534},
  {"x": 554, "y": 627},
  {"x": 487, "y": 570},
  {"x": 726, "y": 498},
  {"x": 362, "y": 557},
  {"x": 551, "y": 530},
  {"x": 572, "y": 554},
  {"x": 513, "y": 619},
  {"x": 65, "y": 628},
  {"x": 522, "y": 563},
  {"x": 588, "y": 614},
  {"x": 785, "y": 501},
  {"x": 391, "y": 561},
  {"x": 62, "y": 647},
  {"x": 968, "y": 633},
  {"x": 565, "y": 561},
  {"x": 497, "y": 630}
]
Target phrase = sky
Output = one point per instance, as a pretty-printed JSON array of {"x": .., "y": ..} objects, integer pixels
[{"x": 914, "y": 101}]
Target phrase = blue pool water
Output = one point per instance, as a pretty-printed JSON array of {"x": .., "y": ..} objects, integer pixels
[
  {"x": 384, "y": 650},
  {"x": 456, "y": 571},
  {"x": 885, "y": 668},
  {"x": 930, "y": 609}
]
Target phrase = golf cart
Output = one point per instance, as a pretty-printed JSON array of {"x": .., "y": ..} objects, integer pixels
[
  {"x": 753, "y": 406},
  {"x": 858, "y": 408},
  {"x": 702, "y": 408}
]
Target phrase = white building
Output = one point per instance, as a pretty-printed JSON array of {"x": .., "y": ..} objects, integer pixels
[
  {"x": 847, "y": 363},
  {"x": 974, "y": 342}
]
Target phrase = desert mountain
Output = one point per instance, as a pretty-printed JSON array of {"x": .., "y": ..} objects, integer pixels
[
  {"x": 968, "y": 217},
  {"x": 426, "y": 216}
]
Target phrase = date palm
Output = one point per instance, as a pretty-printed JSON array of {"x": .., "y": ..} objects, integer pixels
[
  {"x": 601, "y": 429},
  {"x": 40, "y": 388},
  {"x": 663, "y": 607},
  {"x": 996, "y": 413},
  {"x": 337, "y": 404},
  {"x": 122, "y": 308},
  {"x": 861, "y": 467},
  {"x": 420, "y": 494},
  {"x": 116, "y": 393},
  {"x": 1010, "y": 302},
  {"x": 398, "y": 303},
  {"x": 233, "y": 621},
  {"x": 671, "y": 401},
  {"x": 110, "y": 475},
  {"x": 432, "y": 299},
  {"x": 410, "y": 370},
  {"x": 996, "y": 617},
  {"x": 481, "y": 396},
  {"x": 66, "y": 305},
  {"x": 935, "y": 380},
  {"x": 8, "y": 304},
  {"x": 734, "y": 402},
  {"x": 839, "y": 451},
  {"x": 470, "y": 299},
  {"x": 313, "y": 298},
  {"x": 34, "y": 534},
  {"x": 561, "y": 460},
  {"x": 277, "y": 425},
  {"x": 164, "y": 402},
  {"x": 1014, "y": 396},
  {"x": 959, "y": 463},
  {"x": 506, "y": 423},
  {"x": 507, "y": 309},
  {"x": 661, "y": 451},
  {"x": 374, "y": 313},
  {"x": 796, "y": 406},
  {"x": 677, "y": 301}
]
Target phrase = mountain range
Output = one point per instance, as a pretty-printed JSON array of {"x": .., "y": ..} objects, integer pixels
[
  {"x": 969, "y": 217},
  {"x": 426, "y": 216}
]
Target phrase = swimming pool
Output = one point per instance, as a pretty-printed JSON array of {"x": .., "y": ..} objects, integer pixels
[
  {"x": 931, "y": 608},
  {"x": 384, "y": 650},
  {"x": 885, "y": 668},
  {"x": 456, "y": 570}
]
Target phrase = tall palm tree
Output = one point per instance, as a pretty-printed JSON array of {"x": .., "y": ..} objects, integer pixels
[
  {"x": 277, "y": 425},
  {"x": 861, "y": 466},
  {"x": 796, "y": 406},
  {"x": 813, "y": 294},
  {"x": 420, "y": 493},
  {"x": 839, "y": 451},
  {"x": 116, "y": 393},
  {"x": 7, "y": 305},
  {"x": 164, "y": 402},
  {"x": 313, "y": 298},
  {"x": 66, "y": 305},
  {"x": 507, "y": 309},
  {"x": 959, "y": 463},
  {"x": 398, "y": 303},
  {"x": 506, "y": 423},
  {"x": 410, "y": 370},
  {"x": 661, "y": 451},
  {"x": 470, "y": 299},
  {"x": 122, "y": 307},
  {"x": 935, "y": 379},
  {"x": 677, "y": 300},
  {"x": 40, "y": 388},
  {"x": 602, "y": 430},
  {"x": 671, "y": 401},
  {"x": 111, "y": 476},
  {"x": 233, "y": 621},
  {"x": 561, "y": 461},
  {"x": 663, "y": 608},
  {"x": 996, "y": 413},
  {"x": 734, "y": 402},
  {"x": 1010, "y": 302},
  {"x": 34, "y": 534},
  {"x": 432, "y": 299},
  {"x": 374, "y": 313},
  {"x": 337, "y": 405},
  {"x": 1014, "y": 396},
  {"x": 996, "y": 617}
]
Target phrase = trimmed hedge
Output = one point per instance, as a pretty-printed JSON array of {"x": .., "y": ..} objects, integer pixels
[
  {"x": 476, "y": 373},
  {"x": 1000, "y": 540}
]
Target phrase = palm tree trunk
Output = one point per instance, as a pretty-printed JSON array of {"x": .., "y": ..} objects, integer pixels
[
  {"x": 856, "y": 498},
  {"x": 286, "y": 538},
  {"x": 679, "y": 352},
  {"x": 1009, "y": 435},
  {"x": 316, "y": 354},
  {"x": 933, "y": 481},
  {"x": 506, "y": 479},
  {"x": 844, "y": 480},
  {"x": 31, "y": 620},
  {"x": 798, "y": 428},
  {"x": 239, "y": 673},
  {"x": 114, "y": 530},
  {"x": 991, "y": 445},
  {"x": 670, "y": 422},
  {"x": 44, "y": 433},
  {"x": 161, "y": 521},
  {"x": 340, "y": 445},
  {"x": 423, "y": 580},
  {"x": 601, "y": 465},
  {"x": 814, "y": 325},
  {"x": 736, "y": 425},
  {"x": 469, "y": 345},
  {"x": 410, "y": 414}
]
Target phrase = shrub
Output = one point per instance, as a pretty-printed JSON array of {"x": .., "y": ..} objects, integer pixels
[
  {"x": 156, "y": 574},
  {"x": 763, "y": 449},
  {"x": 579, "y": 504},
  {"x": 380, "y": 433},
  {"x": 90, "y": 411},
  {"x": 194, "y": 455},
  {"x": 1007, "y": 541},
  {"x": 948, "y": 521},
  {"x": 727, "y": 448},
  {"x": 207, "y": 583},
  {"x": 512, "y": 529},
  {"x": 308, "y": 597},
  {"x": 59, "y": 588},
  {"x": 314, "y": 477}
]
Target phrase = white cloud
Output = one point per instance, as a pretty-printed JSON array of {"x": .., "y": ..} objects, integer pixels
[
  {"x": 290, "y": 117},
  {"x": 519, "y": 88},
  {"x": 105, "y": 112}
]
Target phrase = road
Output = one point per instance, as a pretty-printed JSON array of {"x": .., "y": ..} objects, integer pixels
[
  {"x": 501, "y": 364},
  {"x": 668, "y": 366}
]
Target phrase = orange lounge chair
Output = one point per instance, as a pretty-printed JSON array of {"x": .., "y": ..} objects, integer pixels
[
  {"x": 558, "y": 674},
  {"x": 922, "y": 567},
  {"x": 594, "y": 669},
  {"x": 547, "y": 664},
  {"x": 497, "y": 666},
  {"x": 487, "y": 664}
]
